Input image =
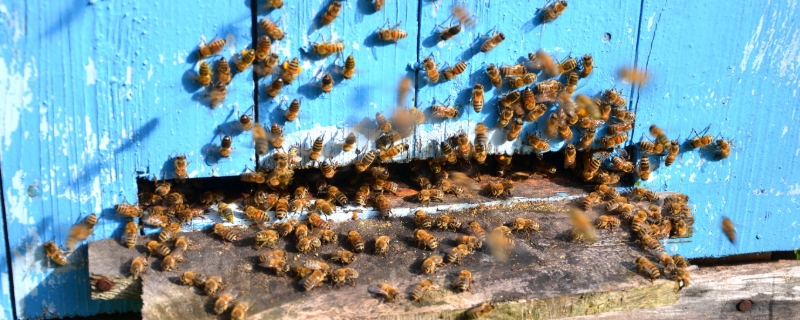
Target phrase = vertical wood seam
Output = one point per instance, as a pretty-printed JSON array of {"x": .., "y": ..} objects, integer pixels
[{"x": 7, "y": 248}]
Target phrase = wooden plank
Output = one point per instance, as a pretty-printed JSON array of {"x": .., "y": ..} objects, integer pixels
[
  {"x": 716, "y": 292},
  {"x": 6, "y": 306},
  {"x": 545, "y": 270},
  {"x": 723, "y": 79},
  {"x": 93, "y": 96},
  {"x": 379, "y": 68}
]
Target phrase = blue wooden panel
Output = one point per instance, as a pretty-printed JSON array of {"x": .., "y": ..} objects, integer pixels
[
  {"x": 379, "y": 68},
  {"x": 742, "y": 79},
  {"x": 96, "y": 93}
]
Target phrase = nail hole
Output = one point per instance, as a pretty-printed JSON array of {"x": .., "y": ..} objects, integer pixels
[{"x": 607, "y": 37}]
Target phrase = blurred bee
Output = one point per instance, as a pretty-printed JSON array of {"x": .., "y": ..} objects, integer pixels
[
  {"x": 680, "y": 261},
  {"x": 615, "y": 98},
  {"x": 301, "y": 231},
  {"x": 271, "y": 29},
  {"x": 383, "y": 206},
  {"x": 634, "y": 76},
  {"x": 479, "y": 311},
  {"x": 190, "y": 278},
  {"x": 275, "y": 87},
  {"x": 216, "y": 94},
  {"x": 349, "y": 142},
  {"x": 158, "y": 249},
  {"x": 239, "y": 311},
  {"x": 649, "y": 269},
  {"x": 587, "y": 64},
  {"x": 649, "y": 147},
  {"x": 525, "y": 225},
  {"x": 494, "y": 75},
  {"x": 129, "y": 210},
  {"x": 204, "y": 74},
  {"x": 565, "y": 132},
  {"x": 620, "y": 127},
  {"x": 291, "y": 70},
  {"x": 464, "y": 281},
  {"x": 607, "y": 222},
  {"x": 492, "y": 42},
  {"x": 138, "y": 265},
  {"x": 674, "y": 149},
  {"x": 544, "y": 62},
  {"x": 269, "y": 64},
  {"x": 449, "y": 32},
  {"x": 392, "y": 34},
  {"x": 553, "y": 11},
  {"x": 612, "y": 141},
  {"x": 330, "y": 13},
  {"x": 365, "y": 161},
  {"x": 55, "y": 254},
  {"x": 356, "y": 241},
  {"x": 392, "y": 152},
  {"x": 457, "y": 69},
  {"x": 425, "y": 239},
  {"x": 421, "y": 289},
  {"x": 422, "y": 220},
  {"x": 344, "y": 274},
  {"x": 226, "y": 233},
  {"x": 430, "y": 264},
  {"x": 567, "y": 65},
  {"x": 385, "y": 290},
  {"x": 728, "y": 229},
  {"x": 210, "y": 49},
  {"x": 276, "y": 4},
  {"x": 644, "y": 168},
  {"x": 503, "y": 163},
  {"x": 260, "y": 139},
  {"x": 180, "y": 168},
  {"x": 213, "y": 285},
  {"x": 383, "y": 123},
  {"x": 553, "y": 122},
  {"x": 82, "y": 231},
  {"x": 516, "y": 128},
  {"x": 382, "y": 245},
  {"x": 245, "y": 60},
  {"x": 326, "y": 48},
  {"x": 462, "y": 14}
]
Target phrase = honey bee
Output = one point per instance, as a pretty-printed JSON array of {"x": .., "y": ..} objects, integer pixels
[
  {"x": 314, "y": 280},
  {"x": 644, "y": 168},
  {"x": 330, "y": 13},
  {"x": 180, "y": 168},
  {"x": 650, "y": 243},
  {"x": 492, "y": 42},
  {"x": 494, "y": 75},
  {"x": 271, "y": 29},
  {"x": 392, "y": 34},
  {"x": 129, "y": 210},
  {"x": 356, "y": 241},
  {"x": 326, "y": 48},
  {"x": 723, "y": 148},
  {"x": 516, "y": 128},
  {"x": 472, "y": 242},
  {"x": 276, "y": 264},
  {"x": 612, "y": 141},
  {"x": 553, "y": 122},
  {"x": 422, "y": 220},
  {"x": 226, "y": 233},
  {"x": 431, "y": 69},
  {"x": 479, "y": 311},
  {"x": 284, "y": 229},
  {"x": 190, "y": 278},
  {"x": 213, "y": 285},
  {"x": 634, "y": 76},
  {"x": 728, "y": 229},
  {"x": 449, "y": 32},
  {"x": 650, "y": 269},
  {"x": 246, "y": 59},
  {"x": 668, "y": 263},
  {"x": 540, "y": 145},
  {"x": 383, "y": 206},
  {"x": 525, "y": 225},
  {"x": 553, "y": 11},
  {"x": 266, "y": 237},
  {"x": 308, "y": 244},
  {"x": 427, "y": 195},
  {"x": 256, "y": 215},
  {"x": 156, "y": 219},
  {"x": 534, "y": 114},
  {"x": 457, "y": 254},
  {"x": 503, "y": 163},
  {"x": 587, "y": 64},
  {"x": 156, "y": 248},
  {"x": 324, "y": 207},
  {"x": 620, "y": 127},
  {"x": 672, "y": 154},
  {"x": 607, "y": 222},
  {"x": 650, "y": 147},
  {"x": 590, "y": 168},
  {"x": 383, "y": 123},
  {"x": 565, "y": 132},
  {"x": 590, "y": 200},
  {"x": 204, "y": 74},
  {"x": 508, "y": 100},
  {"x": 620, "y": 164},
  {"x": 456, "y": 70},
  {"x": 131, "y": 234},
  {"x": 430, "y": 264},
  {"x": 169, "y": 232},
  {"x": 82, "y": 231},
  {"x": 216, "y": 94},
  {"x": 262, "y": 49},
  {"x": 447, "y": 221},
  {"x": 426, "y": 239},
  {"x": 464, "y": 281},
  {"x": 344, "y": 274},
  {"x": 572, "y": 80},
  {"x": 275, "y": 87},
  {"x": 421, "y": 289},
  {"x": 543, "y": 61},
  {"x": 361, "y": 196},
  {"x": 477, "y": 231},
  {"x": 505, "y": 116},
  {"x": 326, "y": 84},
  {"x": 269, "y": 64},
  {"x": 225, "y": 147},
  {"x": 586, "y": 139},
  {"x": 344, "y": 257},
  {"x": 680, "y": 261},
  {"x": 569, "y": 156},
  {"x": 55, "y": 254},
  {"x": 392, "y": 152},
  {"x": 365, "y": 161},
  {"x": 444, "y": 112},
  {"x": 329, "y": 236},
  {"x": 382, "y": 245},
  {"x": 138, "y": 265},
  {"x": 701, "y": 141},
  {"x": 210, "y": 49},
  {"x": 239, "y": 311},
  {"x": 316, "y": 221},
  {"x": 642, "y": 193},
  {"x": 567, "y": 65},
  {"x": 615, "y": 98},
  {"x": 291, "y": 70},
  {"x": 388, "y": 292}
]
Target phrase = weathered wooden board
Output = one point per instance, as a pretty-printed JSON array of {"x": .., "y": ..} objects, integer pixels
[
  {"x": 6, "y": 305},
  {"x": 563, "y": 278},
  {"x": 716, "y": 292},
  {"x": 742, "y": 80}
]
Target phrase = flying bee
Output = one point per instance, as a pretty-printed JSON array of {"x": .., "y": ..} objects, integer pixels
[
  {"x": 356, "y": 241},
  {"x": 330, "y": 13},
  {"x": 544, "y": 62},
  {"x": 210, "y": 49},
  {"x": 728, "y": 229},
  {"x": 430, "y": 264},
  {"x": 275, "y": 87},
  {"x": 260, "y": 139},
  {"x": 349, "y": 142},
  {"x": 615, "y": 98},
  {"x": 383, "y": 123},
  {"x": 644, "y": 168},
  {"x": 553, "y": 11},
  {"x": 456, "y": 70},
  {"x": 204, "y": 74},
  {"x": 226, "y": 233},
  {"x": 291, "y": 70},
  {"x": 612, "y": 141},
  {"x": 82, "y": 231},
  {"x": 392, "y": 152},
  {"x": 388, "y": 292},
  {"x": 644, "y": 265},
  {"x": 382, "y": 245},
  {"x": 494, "y": 75},
  {"x": 55, "y": 254},
  {"x": 492, "y": 42},
  {"x": 245, "y": 60},
  {"x": 271, "y": 29},
  {"x": 326, "y": 48},
  {"x": 392, "y": 34}
]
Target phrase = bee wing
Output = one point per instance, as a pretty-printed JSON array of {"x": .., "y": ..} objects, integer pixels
[{"x": 375, "y": 289}]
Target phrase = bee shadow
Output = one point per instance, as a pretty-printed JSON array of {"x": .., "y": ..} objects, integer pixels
[
  {"x": 464, "y": 99},
  {"x": 473, "y": 49},
  {"x": 534, "y": 22},
  {"x": 210, "y": 153},
  {"x": 193, "y": 57},
  {"x": 365, "y": 7},
  {"x": 310, "y": 90},
  {"x": 432, "y": 40},
  {"x": 416, "y": 266},
  {"x": 189, "y": 81}
]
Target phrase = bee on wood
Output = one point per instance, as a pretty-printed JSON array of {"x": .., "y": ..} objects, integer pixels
[
  {"x": 586, "y": 139},
  {"x": 567, "y": 65},
  {"x": 239, "y": 311},
  {"x": 329, "y": 236},
  {"x": 326, "y": 83},
  {"x": 723, "y": 148},
  {"x": 224, "y": 302},
  {"x": 464, "y": 281},
  {"x": 324, "y": 207},
  {"x": 479, "y": 311},
  {"x": 620, "y": 127},
  {"x": 431, "y": 70},
  {"x": 430, "y": 264},
  {"x": 392, "y": 152},
  {"x": 361, "y": 196},
  {"x": 226, "y": 233},
  {"x": 284, "y": 229},
  {"x": 326, "y": 48},
  {"x": 256, "y": 215},
  {"x": 615, "y": 98},
  {"x": 620, "y": 164},
  {"x": 524, "y": 225},
  {"x": 266, "y": 237},
  {"x": 648, "y": 268},
  {"x": 169, "y": 232},
  {"x": 138, "y": 266},
  {"x": 674, "y": 149},
  {"x": 477, "y": 231},
  {"x": 342, "y": 275},
  {"x": 553, "y": 11},
  {"x": 381, "y": 173},
  {"x": 457, "y": 254},
  {"x": 210, "y": 49},
  {"x": 204, "y": 74},
  {"x": 481, "y": 143},
  {"x": 213, "y": 285},
  {"x": 291, "y": 70},
  {"x": 680, "y": 261},
  {"x": 365, "y": 161},
  {"x": 337, "y": 195},
  {"x": 316, "y": 221},
  {"x": 644, "y": 168},
  {"x": 388, "y": 292},
  {"x": 349, "y": 142},
  {"x": 246, "y": 59},
  {"x": 649, "y": 242},
  {"x": 190, "y": 278},
  {"x": 331, "y": 12},
  {"x": 271, "y": 29},
  {"x": 392, "y": 34},
  {"x": 449, "y": 32},
  {"x": 55, "y": 254},
  {"x": 421, "y": 289},
  {"x": 642, "y": 193},
  {"x": 344, "y": 257},
  {"x": 276, "y": 264},
  {"x": 263, "y": 47},
  {"x": 308, "y": 244},
  {"x": 565, "y": 132},
  {"x": 382, "y": 245},
  {"x": 494, "y": 75},
  {"x": 607, "y": 222},
  {"x": 422, "y": 220},
  {"x": 158, "y": 249},
  {"x": 728, "y": 229},
  {"x": 427, "y": 195},
  {"x": 275, "y": 87},
  {"x": 492, "y": 42},
  {"x": 446, "y": 222},
  {"x": 457, "y": 69},
  {"x": 587, "y": 64},
  {"x": 649, "y": 147},
  {"x": 269, "y": 64},
  {"x": 444, "y": 112},
  {"x": 382, "y": 203},
  {"x": 701, "y": 141},
  {"x": 516, "y": 128},
  {"x": 612, "y": 141},
  {"x": 328, "y": 169},
  {"x": 349, "y": 67},
  {"x": 131, "y": 234},
  {"x": 180, "y": 172},
  {"x": 623, "y": 114},
  {"x": 425, "y": 239},
  {"x": 301, "y": 231},
  {"x": 534, "y": 114},
  {"x": 356, "y": 241},
  {"x": 512, "y": 70}
]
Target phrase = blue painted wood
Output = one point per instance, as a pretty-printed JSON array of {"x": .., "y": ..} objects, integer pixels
[
  {"x": 6, "y": 306},
  {"x": 738, "y": 72},
  {"x": 379, "y": 68},
  {"x": 96, "y": 93}
]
